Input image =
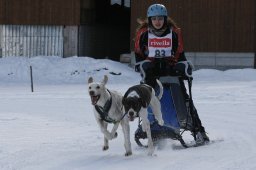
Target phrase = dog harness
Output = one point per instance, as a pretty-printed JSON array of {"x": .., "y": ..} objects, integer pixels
[{"x": 103, "y": 111}]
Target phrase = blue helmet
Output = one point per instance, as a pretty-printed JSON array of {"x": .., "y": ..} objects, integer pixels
[{"x": 157, "y": 10}]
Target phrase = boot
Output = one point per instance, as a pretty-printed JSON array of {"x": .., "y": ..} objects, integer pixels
[
  {"x": 201, "y": 138},
  {"x": 205, "y": 137}
]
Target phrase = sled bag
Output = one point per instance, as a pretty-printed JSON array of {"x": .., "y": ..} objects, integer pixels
[{"x": 173, "y": 105}]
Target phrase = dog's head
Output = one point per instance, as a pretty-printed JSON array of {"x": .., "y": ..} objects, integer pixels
[
  {"x": 96, "y": 89},
  {"x": 132, "y": 106}
]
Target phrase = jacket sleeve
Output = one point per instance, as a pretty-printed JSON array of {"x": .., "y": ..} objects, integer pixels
[
  {"x": 179, "y": 54},
  {"x": 139, "y": 47}
]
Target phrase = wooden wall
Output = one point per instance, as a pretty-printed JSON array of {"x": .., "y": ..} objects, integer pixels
[
  {"x": 90, "y": 27},
  {"x": 31, "y": 40},
  {"x": 208, "y": 25},
  {"x": 37, "y": 12}
]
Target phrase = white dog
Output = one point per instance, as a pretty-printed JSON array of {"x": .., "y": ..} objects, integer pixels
[
  {"x": 136, "y": 101},
  {"x": 108, "y": 108}
]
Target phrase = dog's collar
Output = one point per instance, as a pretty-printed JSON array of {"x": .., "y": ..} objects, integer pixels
[{"x": 103, "y": 111}]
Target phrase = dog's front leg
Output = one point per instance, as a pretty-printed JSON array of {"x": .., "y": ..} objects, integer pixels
[
  {"x": 126, "y": 130},
  {"x": 156, "y": 107},
  {"x": 146, "y": 127},
  {"x": 113, "y": 131},
  {"x": 103, "y": 126},
  {"x": 105, "y": 146},
  {"x": 107, "y": 136}
]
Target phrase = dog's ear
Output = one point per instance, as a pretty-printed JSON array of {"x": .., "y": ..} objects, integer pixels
[
  {"x": 143, "y": 102},
  {"x": 90, "y": 80},
  {"x": 123, "y": 100},
  {"x": 105, "y": 80}
]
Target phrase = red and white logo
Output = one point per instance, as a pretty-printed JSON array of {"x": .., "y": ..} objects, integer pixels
[{"x": 160, "y": 42}]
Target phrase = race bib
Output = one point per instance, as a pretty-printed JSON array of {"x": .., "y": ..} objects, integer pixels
[{"x": 160, "y": 47}]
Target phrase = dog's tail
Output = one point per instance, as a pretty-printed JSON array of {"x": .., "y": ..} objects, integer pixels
[{"x": 160, "y": 89}]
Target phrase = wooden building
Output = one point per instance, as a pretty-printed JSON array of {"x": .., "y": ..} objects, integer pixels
[
  {"x": 64, "y": 28},
  {"x": 217, "y": 33},
  {"x": 35, "y": 27}
]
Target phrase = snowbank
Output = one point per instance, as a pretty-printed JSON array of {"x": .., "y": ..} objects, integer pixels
[{"x": 57, "y": 70}]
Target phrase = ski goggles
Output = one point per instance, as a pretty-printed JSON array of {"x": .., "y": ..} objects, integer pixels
[{"x": 159, "y": 18}]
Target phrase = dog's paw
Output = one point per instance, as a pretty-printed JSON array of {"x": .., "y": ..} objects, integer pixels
[
  {"x": 115, "y": 135},
  {"x": 105, "y": 148},
  {"x": 128, "y": 153},
  {"x": 112, "y": 136},
  {"x": 150, "y": 152},
  {"x": 144, "y": 127},
  {"x": 153, "y": 154},
  {"x": 161, "y": 122}
]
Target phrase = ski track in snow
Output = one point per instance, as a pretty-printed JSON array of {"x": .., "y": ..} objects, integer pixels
[{"x": 54, "y": 128}]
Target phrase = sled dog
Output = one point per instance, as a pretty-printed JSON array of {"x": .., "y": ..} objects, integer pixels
[
  {"x": 136, "y": 101},
  {"x": 108, "y": 108}
]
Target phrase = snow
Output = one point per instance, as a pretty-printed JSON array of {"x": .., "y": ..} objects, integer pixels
[{"x": 54, "y": 128}]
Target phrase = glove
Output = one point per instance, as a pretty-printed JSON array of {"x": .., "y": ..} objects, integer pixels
[
  {"x": 172, "y": 61},
  {"x": 184, "y": 69}
]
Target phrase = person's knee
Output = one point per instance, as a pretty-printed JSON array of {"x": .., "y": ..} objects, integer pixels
[{"x": 147, "y": 65}]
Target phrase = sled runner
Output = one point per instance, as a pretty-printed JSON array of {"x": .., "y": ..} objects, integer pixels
[{"x": 176, "y": 110}]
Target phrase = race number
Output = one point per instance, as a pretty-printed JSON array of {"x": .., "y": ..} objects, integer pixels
[{"x": 159, "y": 47}]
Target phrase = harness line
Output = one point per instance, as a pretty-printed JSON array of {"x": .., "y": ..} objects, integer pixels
[{"x": 103, "y": 111}]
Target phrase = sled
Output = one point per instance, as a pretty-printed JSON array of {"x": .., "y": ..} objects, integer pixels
[{"x": 175, "y": 112}]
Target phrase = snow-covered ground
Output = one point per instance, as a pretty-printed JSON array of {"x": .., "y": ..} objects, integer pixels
[{"x": 53, "y": 128}]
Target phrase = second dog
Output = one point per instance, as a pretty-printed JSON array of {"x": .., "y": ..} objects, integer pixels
[{"x": 136, "y": 101}]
